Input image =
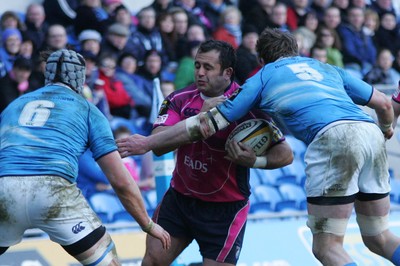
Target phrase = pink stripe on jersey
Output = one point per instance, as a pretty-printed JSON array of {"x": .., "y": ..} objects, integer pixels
[{"x": 234, "y": 229}]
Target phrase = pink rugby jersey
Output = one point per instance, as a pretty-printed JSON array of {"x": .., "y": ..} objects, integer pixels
[{"x": 201, "y": 170}]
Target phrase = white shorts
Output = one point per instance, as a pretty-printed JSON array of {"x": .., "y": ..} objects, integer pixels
[
  {"x": 49, "y": 203},
  {"x": 347, "y": 158}
]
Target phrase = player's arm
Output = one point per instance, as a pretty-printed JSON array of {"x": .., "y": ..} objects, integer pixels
[
  {"x": 130, "y": 196},
  {"x": 384, "y": 111},
  {"x": 194, "y": 128},
  {"x": 396, "y": 110}
]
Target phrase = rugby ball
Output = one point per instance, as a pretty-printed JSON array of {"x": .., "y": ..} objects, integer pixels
[{"x": 256, "y": 133}]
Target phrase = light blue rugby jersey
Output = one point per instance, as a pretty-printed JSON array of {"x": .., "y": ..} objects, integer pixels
[
  {"x": 302, "y": 93},
  {"x": 44, "y": 133}
]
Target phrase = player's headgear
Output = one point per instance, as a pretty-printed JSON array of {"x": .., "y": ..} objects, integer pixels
[{"x": 66, "y": 66}]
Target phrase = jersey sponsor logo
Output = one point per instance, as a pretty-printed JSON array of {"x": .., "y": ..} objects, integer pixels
[
  {"x": 76, "y": 229},
  {"x": 161, "y": 119},
  {"x": 196, "y": 164},
  {"x": 189, "y": 112},
  {"x": 235, "y": 93},
  {"x": 164, "y": 107}
]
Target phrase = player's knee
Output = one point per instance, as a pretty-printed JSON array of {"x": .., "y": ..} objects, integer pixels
[
  {"x": 3, "y": 250},
  {"x": 151, "y": 259}
]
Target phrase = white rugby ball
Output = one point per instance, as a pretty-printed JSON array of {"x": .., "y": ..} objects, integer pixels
[{"x": 256, "y": 133}]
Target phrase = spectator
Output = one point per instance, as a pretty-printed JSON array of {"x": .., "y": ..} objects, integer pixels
[
  {"x": 213, "y": 10},
  {"x": 10, "y": 19},
  {"x": 123, "y": 16},
  {"x": 296, "y": 13},
  {"x": 161, "y": 6},
  {"x": 110, "y": 6},
  {"x": 185, "y": 71},
  {"x": 328, "y": 39},
  {"x": 359, "y": 52},
  {"x": 246, "y": 54},
  {"x": 181, "y": 23},
  {"x": 36, "y": 25},
  {"x": 279, "y": 17},
  {"x": 16, "y": 82},
  {"x": 195, "y": 32},
  {"x": 383, "y": 6},
  {"x": 90, "y": 41},
  {"x": 383, "y": 72},
  {"x": 332, "y": 18},
  {"x": 343, "y": 6},
  {"x": 308, "y": 30},
  {"x": 148, "y": 37},
  {"x": 134, "y": 85},
  {"x": 371, "y": 23},
  {"x": 56, "y": 38},
  {"x": 167, "y": 87},
  {"x": 320, "y": 53},
  {"x": 119, "y": 101},
  {"x": 259, "y": 15},
  {"x": 319, "y": 7},
  {"x": 27, "y": 49},
  {"x": 165, "y": 24},
  {"x": 151, "y": 73},
  {"x": 229, "y": 29},
  {"x": 388, "y": 33},
  {"x": 11, "y": 39},
  {"x": 195, "y": 13},
  {"x": 116, "y": 41},
  {"x": 90, "y": 15}
]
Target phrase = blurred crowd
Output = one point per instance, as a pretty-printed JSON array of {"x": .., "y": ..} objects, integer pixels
[{"x": 136, "y": 58}]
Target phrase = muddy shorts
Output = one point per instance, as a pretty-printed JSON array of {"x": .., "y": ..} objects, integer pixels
[
  {"x": 346, "y": 159},
  {"x": 49, "y": 203}
]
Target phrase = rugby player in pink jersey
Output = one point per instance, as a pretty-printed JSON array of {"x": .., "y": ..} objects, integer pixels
[{"x": 208, "y": 196}]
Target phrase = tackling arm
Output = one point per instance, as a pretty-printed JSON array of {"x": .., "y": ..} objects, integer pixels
[
  {"x": 130, "y": 196},
  {"x": 197, "y": 127}
]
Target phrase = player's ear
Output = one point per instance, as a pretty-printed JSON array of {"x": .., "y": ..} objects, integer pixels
[{"x": 228, "y": 72}]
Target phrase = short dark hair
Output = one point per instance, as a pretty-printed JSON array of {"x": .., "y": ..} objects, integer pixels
[
  {"x": 227, "y": 54},
  {"x": 273, "y": 44}
]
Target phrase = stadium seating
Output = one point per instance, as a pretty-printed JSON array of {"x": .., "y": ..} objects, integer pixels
[
  {"x": 105, "y": 203},
  {"x": 296, "y": 169},
  {"x": 274, "y": 177},
  {"x": 395, "y": 191},
  {"x": 271, "y": 195},
  {"x": 150, "y": 200},
  {"x": 294, "y": 192},
  {"x": 122, "y": 216}
]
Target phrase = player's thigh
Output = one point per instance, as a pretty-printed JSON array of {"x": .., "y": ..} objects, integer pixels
[{"x": 378, "y": 207}]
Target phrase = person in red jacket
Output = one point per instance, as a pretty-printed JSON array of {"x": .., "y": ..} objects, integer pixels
[{"x": 118, "y": 99}]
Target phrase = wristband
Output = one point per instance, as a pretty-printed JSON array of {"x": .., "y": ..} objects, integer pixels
[
  {"x": 385, "y": 127},
  {"x": 148, "y": 227},
  {"x": 261, "y": 162}
]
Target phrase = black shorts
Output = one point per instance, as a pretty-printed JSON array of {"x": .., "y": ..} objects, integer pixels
[{"x": 218, "y": 227}]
